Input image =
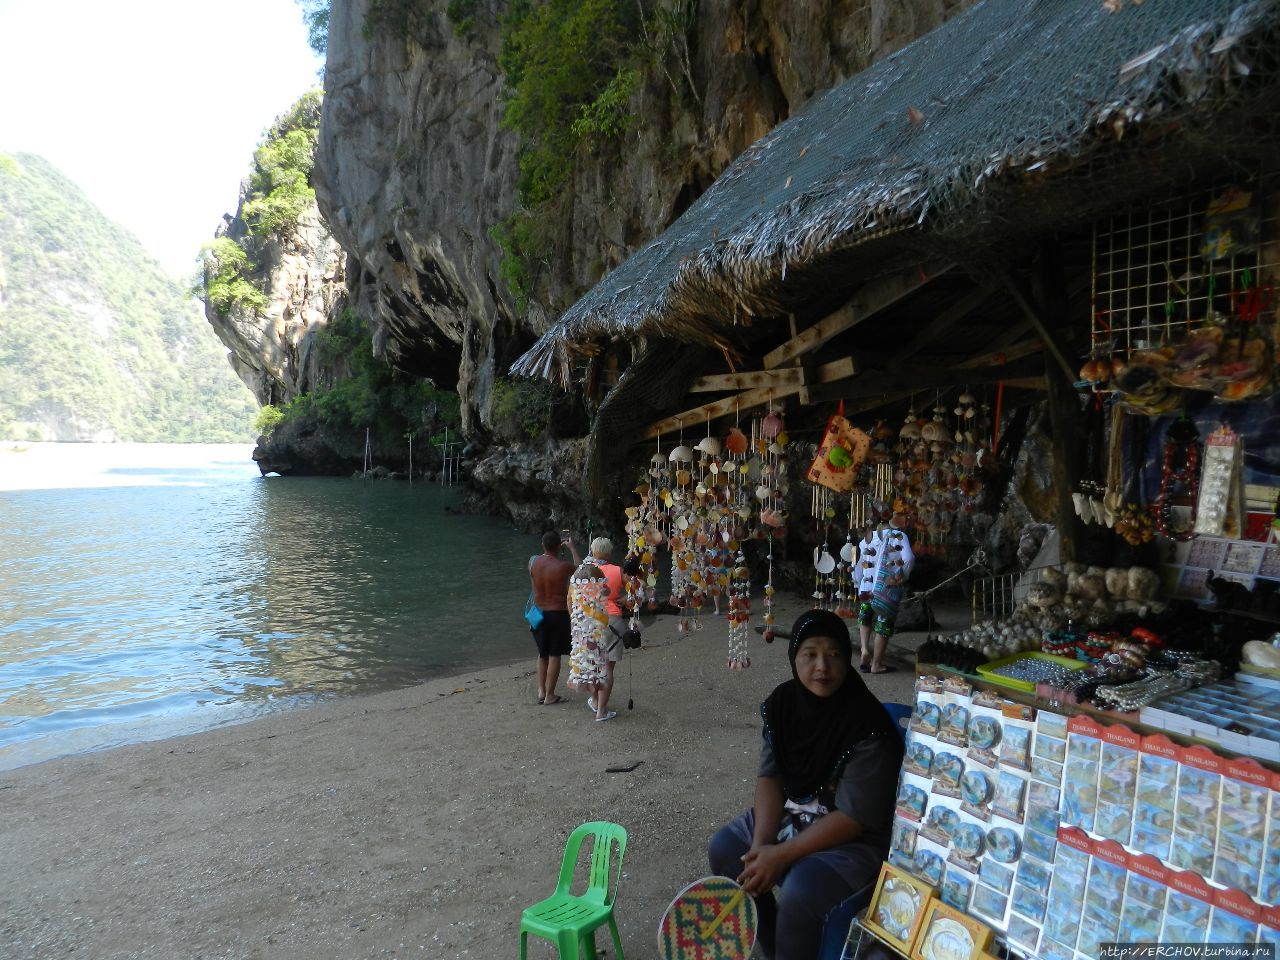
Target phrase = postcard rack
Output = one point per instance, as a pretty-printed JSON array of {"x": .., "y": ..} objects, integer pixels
[{"x": 1062, "y": 832}]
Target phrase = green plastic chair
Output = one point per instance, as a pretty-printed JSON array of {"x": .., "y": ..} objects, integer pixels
[{"x": 570, "y": 921}]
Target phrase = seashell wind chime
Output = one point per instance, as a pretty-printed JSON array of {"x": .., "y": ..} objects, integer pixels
[
  {"x": 835, "y": 586},
  {"x": 769, "y": 443},
  {"x": 702, "y": 503},
  {"x": 590, "y": 623},
  {"x": 937, "y": 468}
]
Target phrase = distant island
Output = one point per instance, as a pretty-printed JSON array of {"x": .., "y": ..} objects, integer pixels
[{"x": 97, "y": 343}]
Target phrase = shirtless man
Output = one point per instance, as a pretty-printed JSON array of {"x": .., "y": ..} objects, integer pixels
[{"x": 550, "y": 577}]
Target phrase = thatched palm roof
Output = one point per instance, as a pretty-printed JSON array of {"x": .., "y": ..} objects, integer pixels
[{"x": 1014, "y": 111}]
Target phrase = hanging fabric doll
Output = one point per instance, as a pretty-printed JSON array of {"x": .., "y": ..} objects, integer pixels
[{"x": 894, "y": 562}]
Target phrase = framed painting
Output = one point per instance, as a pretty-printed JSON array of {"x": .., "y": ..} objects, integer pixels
[
  {"x": 897, "y": 907},
  {"x": 948, "y": 934}
]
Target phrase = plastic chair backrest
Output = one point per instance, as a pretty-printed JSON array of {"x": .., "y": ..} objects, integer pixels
[
  {"x": 898, "y": 712},
  {"x": 604, "y": 835}
]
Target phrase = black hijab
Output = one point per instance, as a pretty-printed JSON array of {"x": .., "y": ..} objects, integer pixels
[{"x": 812, "y": 737}]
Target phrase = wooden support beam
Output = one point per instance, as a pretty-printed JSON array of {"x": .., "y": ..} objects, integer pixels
[
  {"x": 852, "y": 407},
  {"x": 749, "y": 380},
  {"x": 697, "y": 416},
  {"x": 889, "y": 384},
  {"x": 1022, "y": 297},
  {"x": 785, "y": 386},
  {"x": 869, "y": 300},
  {"x": 858, "y": 405},
  {"x": 1000, "y": 357},
  {"x": 1027, "y": 383},
  {"x": 783, "y": 377},
  {"x": 1063, "y": 401},
  {"x": 943, "y": 322}
]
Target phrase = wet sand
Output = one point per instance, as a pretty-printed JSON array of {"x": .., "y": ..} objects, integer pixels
[{"x": 414, "y": 823}]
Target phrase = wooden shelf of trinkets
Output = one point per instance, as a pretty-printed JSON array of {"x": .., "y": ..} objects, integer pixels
[{"x": 1130, "y": 720}]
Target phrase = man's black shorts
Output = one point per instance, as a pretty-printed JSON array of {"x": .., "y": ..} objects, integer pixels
[{"x": 553, "y": 636}]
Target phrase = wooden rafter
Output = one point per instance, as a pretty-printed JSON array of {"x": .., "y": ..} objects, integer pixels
[
  {"x": 1057, "y": 350},
  {"x": 789, "y": 384},
  {"x": 885, "y": 384},
  {"x": 943, "y": 322},
  {"x": 783, "y": 376},
  {"x": 696, "y": 416},
  {"x": 867, "y": 302},
  {"x": 1002, "y": 356}
]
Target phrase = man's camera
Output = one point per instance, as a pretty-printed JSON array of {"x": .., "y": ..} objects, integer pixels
[{"x": 631, "y": 639}]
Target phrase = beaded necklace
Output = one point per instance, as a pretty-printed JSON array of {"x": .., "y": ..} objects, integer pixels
[{"x": 1180, "y": 468}]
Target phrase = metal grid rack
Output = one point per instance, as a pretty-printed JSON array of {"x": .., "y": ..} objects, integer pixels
[
  {"x": 1150, "y": 282},
  {"x": 993, "y": 597}
]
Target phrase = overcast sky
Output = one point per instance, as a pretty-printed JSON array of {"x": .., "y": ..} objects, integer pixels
[{"x": 152, "y": 106}]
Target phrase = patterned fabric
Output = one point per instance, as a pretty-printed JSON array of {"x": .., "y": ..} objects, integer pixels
[{"x": 690, "y": 930}]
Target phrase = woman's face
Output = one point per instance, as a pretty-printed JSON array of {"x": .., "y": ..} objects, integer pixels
[{"x": 821, "y": 666}]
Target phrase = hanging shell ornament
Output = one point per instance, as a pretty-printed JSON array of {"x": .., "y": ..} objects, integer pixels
[
  {"x": 771, "y": 426},
  {"x": 681, "y": 453},
  {"x": 710, "y": 446},
  {"x": 736, "y": 441},
  {"x": 823, "y": 562}
]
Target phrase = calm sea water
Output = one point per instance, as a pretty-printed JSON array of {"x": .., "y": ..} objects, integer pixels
[{"x": 153, "y": 590}]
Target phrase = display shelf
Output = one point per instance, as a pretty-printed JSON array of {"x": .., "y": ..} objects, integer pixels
[
  {"x": 1243, "y": 561},
  {"x": 1252, "y": 615},
  {"x": 1131, "y": 720},
  {"x": 853, "y": 949}
]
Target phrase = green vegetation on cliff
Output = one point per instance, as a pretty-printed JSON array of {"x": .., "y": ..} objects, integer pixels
[
  {"x": 279, "y": 194},
  {"x": 369, "y": 395},
  {"x": 280, "y": 185},
  {"x": 569, "y": 75},
  {"x": 95, "y": 340}
]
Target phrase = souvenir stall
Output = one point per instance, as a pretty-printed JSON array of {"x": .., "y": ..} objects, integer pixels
[
  {"x": 703, "y": 504},
  {"x": 1104, "y": 765}
]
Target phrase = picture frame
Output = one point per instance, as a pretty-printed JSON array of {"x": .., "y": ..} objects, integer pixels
[
  {"x": 1042, "y": 807},
  {"x": 956, "y": 888},
  {"x": 1039, "y": 845},
  {"x": 1024, "y": 933},
  {"x": 990, "y": 903},
  {"x": 1051, "y": 724},
  {"x": 1154, "y": 808},
  {"x": 918, "y": 759},
  {"x": 1010, "y": 796},
  {"x": 948, "y": 934},
  {"x": 995, "y": 875},
  {"x": 898, "y": 907},
  {"x": 1046, "y": 771},
  {"x": 1015, "y": 745}
]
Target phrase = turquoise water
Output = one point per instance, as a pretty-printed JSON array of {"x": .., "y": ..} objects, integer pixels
[{"x": 151, "y": 591}]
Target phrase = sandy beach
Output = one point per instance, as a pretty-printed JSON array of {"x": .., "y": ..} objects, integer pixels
[{"x": 413, "y": 823}]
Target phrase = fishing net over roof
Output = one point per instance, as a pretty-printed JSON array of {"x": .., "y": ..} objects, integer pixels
[{"x": 1015, "y": 110}]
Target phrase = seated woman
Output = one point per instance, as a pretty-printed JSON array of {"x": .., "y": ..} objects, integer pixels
[{"x": 824, "y": 796}]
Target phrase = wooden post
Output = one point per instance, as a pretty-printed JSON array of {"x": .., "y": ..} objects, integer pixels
[{"x": 1064, "y": 402}]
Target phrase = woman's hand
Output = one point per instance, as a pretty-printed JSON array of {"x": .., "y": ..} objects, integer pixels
[{"x": 763, "y": 867}]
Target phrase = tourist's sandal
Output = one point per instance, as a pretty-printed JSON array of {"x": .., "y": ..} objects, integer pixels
[{"x": 608, "y": 716}]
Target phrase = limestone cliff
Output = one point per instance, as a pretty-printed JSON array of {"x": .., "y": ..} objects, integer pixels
[
  {"x": 302, "y": 274},
  {"x": 413, "y": 169}
]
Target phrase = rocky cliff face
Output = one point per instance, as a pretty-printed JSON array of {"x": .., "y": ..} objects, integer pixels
[
  {"x": 302, "y": 273},
  {"x": 412, "y": 168}
]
